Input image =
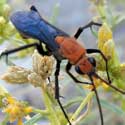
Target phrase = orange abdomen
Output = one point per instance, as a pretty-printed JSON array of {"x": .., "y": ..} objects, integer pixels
[{"x": 70, "y": 49}]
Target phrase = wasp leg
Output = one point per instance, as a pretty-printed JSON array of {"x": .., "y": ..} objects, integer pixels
[
  {"x": 81, "y": 29},
  {"x": 89, "y": 51},
  {"x": 68, "y": 67},
  {"x": 112, "y": 86},
  {"x": 37, "y": 45},
  {"x": 98, "y": 100},
  {"x": 8, "y": 52},
  {"x": 57, "y": 90},
  {"x": 33, "y": 8}
]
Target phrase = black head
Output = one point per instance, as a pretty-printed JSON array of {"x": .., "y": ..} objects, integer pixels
[
  {"x": 92, "y": 61},
  {"x": 78, "y": 70}
]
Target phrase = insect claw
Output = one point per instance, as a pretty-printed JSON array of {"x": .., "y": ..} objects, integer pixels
[
  {"x": 62, "y": 97},
  {"x": 33, "y": 8}
]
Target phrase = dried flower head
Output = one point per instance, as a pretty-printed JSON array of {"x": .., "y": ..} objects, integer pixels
[
  {"x": 42, "y": 69},
  {"x": 42, "y": 65},
  {"x": 51, "y": 89},
  {"x": 16, "y": 74},
  {"x": 35, "y": 79}
]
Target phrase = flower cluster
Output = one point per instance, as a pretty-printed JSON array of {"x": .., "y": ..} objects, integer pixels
[
  {"x": 16, "y": 109},
  {"x": 97, "y": 82},
  {"x": 42, "y": 69},
  {"x": 105, "y": 41}
]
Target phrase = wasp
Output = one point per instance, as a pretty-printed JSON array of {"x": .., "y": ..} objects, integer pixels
[{"x": 62, "y": 46}]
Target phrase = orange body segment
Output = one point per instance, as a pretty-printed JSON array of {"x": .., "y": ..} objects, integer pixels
[{"x": 70, "y": 49}]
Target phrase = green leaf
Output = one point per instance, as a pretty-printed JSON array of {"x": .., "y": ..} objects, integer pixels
[
  {"x": 34, "y": 119},
  {"x": 123, "y": 104},
  {"x": 73, "y": 101},
  {"x": 119, "y": 19},
  {"x": 110, "y": 106}
]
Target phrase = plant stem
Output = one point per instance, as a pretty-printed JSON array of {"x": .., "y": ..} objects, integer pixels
[
  {"x": 33, "y": 120},
  {"x": 43, "y": 112},
  {"x": 102, "y": 12},
  {"x": 4, "y": 122},
  {"x": 49, "y": 106},
  {"x": 82, "y": 105},
  {"x": 82, "y": 116}
]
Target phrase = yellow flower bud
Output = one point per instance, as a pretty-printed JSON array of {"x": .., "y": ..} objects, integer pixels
[
  {"x": 104, "y": 34},
  {"x": 122, "y": 67},
  {"x": 28, "y": 110},
  {"x": 105, "y": 86},
  {"x": 2, "y": 20},
  {"x": 97, "y": 82},
  {"x": 109, "y": 49},
  {"x": 10, "y": 100}
]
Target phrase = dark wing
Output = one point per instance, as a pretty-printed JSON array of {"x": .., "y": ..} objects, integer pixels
[{"x": 31, "y": 24}]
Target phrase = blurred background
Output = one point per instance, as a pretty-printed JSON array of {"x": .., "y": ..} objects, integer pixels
[{"x": 68, "y": 15}]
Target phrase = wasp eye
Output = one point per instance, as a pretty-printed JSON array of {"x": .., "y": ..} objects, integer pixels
[
  {"x": 92, "y": 61},
  {"x": 78, "y": 70}
]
